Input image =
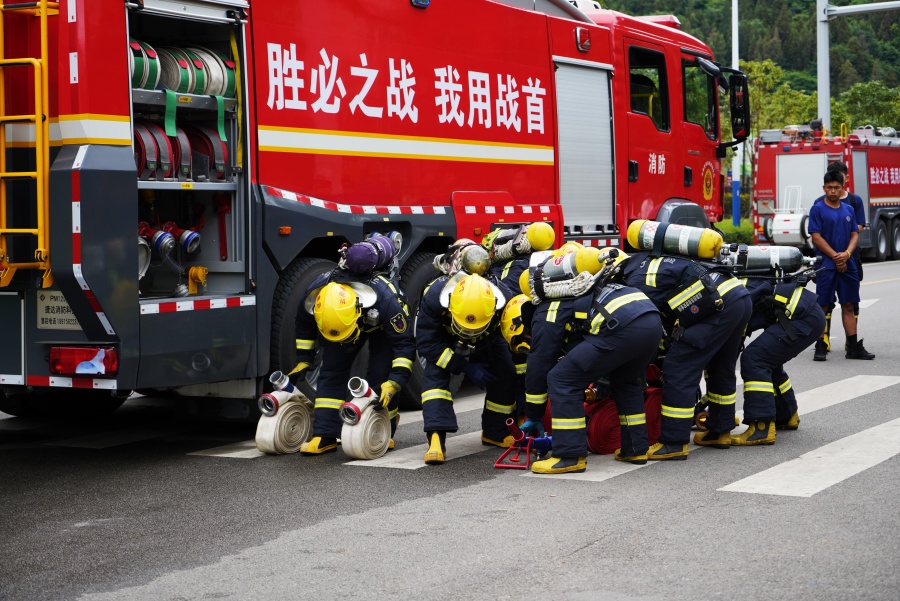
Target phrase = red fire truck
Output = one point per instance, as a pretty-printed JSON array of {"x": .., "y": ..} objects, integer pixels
[
  {"x": 789, "y": 165},
  {"x": 175, "y": 172}
]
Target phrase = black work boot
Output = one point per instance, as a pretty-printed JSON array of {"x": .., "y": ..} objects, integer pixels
[
  {"x": 821, "y": 351},
  {"x": 856, "y": 350}
]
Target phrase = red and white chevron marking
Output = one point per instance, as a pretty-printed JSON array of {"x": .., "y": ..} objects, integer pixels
[
  {"x": 355, "y": 209},
  {"x": 76, "y": 241},
  {"x": 200, "y": 304},
  {"x": 599, "y": 242},
  {"x": 507, "y": 210},
  {"x": 63, "y": 382}
]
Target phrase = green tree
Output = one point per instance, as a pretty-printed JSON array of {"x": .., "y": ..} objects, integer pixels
[{"x": 865, "y": 103}]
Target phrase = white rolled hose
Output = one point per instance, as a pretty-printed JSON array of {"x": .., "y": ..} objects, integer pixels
[
  {"x": 366, "y": 432},
  {"x": 286, "y": 422}
]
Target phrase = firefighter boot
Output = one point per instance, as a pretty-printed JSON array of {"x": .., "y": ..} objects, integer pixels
[
  {"x": 791, "y": 424},
  {"x": 319, "y": 445},
  {"x": 821, "y": 350},
  {"x": 661, "y": 450},
  {"x": 760, "y": 432},
  {"x": 503, "y": 444},
  {"x": 437, "y": 450},
  {"x": 560, "y": 465},
  {"x": 635, "y": 459},
  {"x": 856, "y": 350},
  {"x": 716, "y": 440},
  {"x": 394, "y": 423}
]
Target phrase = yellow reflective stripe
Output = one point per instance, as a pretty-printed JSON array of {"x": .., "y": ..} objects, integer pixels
[
  {"x": 695, "y": 288},
  {"x": 389, "y": 283},
  {"x": 633, "y": 420},
  {"x": 744, "y": 281},
  {"x": 402, "y": 362},
  {"x": 568, "y": 424},
  {"x": 538, "y": 399},
  {"x": 795, "y": 300},
  {"x": 551, "y": 312},
  {"x": 444, "y": 360},
  {"x": 614, "y": 305},
  {"x": 751, "y": 386},
  {"x": 496, "y": 408},
  {"x": 678, "y": 412},
  {"x": 721, "y": 399},
  {"x": 652, "y": 270},
  {"x": 436, "y": 393},
  {"x": 727, "y": 286},
  {"x": 784, "y": 386},
  {"x": 505, "y": 271},
  {"x": 580, "y": 315},
  {"x": 781, "y": 299},
  {"x": 393, "y": 413},
  {"x": 305, "y": 345},
  {"x": 326, "y": 403},
  {"x": 520, "y": 368}
]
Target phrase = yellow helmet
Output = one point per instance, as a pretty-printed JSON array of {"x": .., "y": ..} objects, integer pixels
[
  {"x": 512, "y": 324},
  {"x": 568, "y": 247},
  {"x": 337, "y": 311},
  {"x": 472, "y": 306},
  {"x": 540, "y": 235},
  {"x": 524, "y": 283}
]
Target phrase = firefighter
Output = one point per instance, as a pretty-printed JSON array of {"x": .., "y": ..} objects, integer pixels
[
  {"x": 711, "y": 310},
  {"x": 347, "y": 311},
  {"x": 457, "y": 332},
  {"x": 791, "y": 320},
  {"x": 621, "y": 333}
]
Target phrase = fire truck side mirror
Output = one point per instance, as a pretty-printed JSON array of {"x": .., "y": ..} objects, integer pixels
[{"x": 740, "y": 106}]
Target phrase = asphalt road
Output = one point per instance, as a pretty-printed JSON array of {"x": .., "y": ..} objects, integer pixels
[{"x": 148, "y": 505}]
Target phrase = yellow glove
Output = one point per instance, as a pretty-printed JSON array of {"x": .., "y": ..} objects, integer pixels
[
  {"x": 388, "y": 389},
  {"x": 301, "y": 367}
]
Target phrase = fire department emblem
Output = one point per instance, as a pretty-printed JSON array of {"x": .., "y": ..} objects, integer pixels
[
  {"x": 398, "y": 322},
  {"x": 707, "y": 182},
  {"x": 470, "y": 318}
]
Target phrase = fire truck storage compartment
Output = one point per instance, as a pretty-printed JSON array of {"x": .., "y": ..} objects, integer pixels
[
  {"x": 585, "y": 146},
  {"x": 185, "y": 81}
]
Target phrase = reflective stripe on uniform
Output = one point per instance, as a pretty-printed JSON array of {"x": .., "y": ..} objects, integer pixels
[
  {"x": 537, "y": 399},
  {"x": 402, "y": 362},
  {"x": 389, "y": 283},
  {"x": 795, "y": 300},
  {"x": 505, "y": 271},
  {"x": 728, "y": 285},
  {"x": 652, "y": 270},
  {"x": 436, "y": 393},
  {"x": 695, "y": 288},
  {"x": 722, "y": 399},
  {"x": 785, "y": 386},
  {"x": 326, "y": 403},
  {"x": 577, "y": 423},
  {"x": 614, "y": 305},
  {"x": 444, "y": 360},
  {"x": 751, "y": 386},
  {"x": 551, "y": 312},
  {"x": 521, "y": 368},
  {"x": 633, "y": 420},
  {"x": 497, "y": 408},
  {"x": 678, "y": 412},
  {"x": 305, "y": 345}
]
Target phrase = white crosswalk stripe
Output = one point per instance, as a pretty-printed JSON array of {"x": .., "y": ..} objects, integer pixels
[
  {"x": 240, "y": 450},
  {"x": 411, "y": 458},
  {"x": 826, "y": 466}
]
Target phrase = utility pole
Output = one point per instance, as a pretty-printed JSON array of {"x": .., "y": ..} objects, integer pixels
[{"x": 825, "y": 13}]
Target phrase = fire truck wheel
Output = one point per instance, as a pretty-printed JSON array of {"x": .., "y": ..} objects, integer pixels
[
  {"x": 882, "y": 248},
  {"x": 895, "y": 240},
  {"x": 288, "y": 299},
  {"x": 417, "y": 273}
]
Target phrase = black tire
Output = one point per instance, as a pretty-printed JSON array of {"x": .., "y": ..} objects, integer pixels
[
  {"x": 895, "y": 240},
  {"x": 416, "y": 274},
  {"x": 882, "y": 247}
]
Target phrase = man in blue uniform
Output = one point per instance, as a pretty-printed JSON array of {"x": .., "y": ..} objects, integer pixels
[
  {"x": 343, "y": 311},
  {"x": 457, "y": 332},
  {"x": 791, "y": 320},
  {"x": 834, "y": 231},
  {"x": 711, "y": 309}
]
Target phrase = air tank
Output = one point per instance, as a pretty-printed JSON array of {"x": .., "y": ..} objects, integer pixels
[{"x": 695, "y": 242}]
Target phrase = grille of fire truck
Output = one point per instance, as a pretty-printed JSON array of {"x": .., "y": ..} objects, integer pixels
[{"x": 39, "y": 120}]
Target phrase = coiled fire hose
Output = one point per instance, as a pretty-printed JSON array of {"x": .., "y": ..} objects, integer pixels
[
  {"x": 366, "y": 432},
  {"x": 287, "y": 417}
]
